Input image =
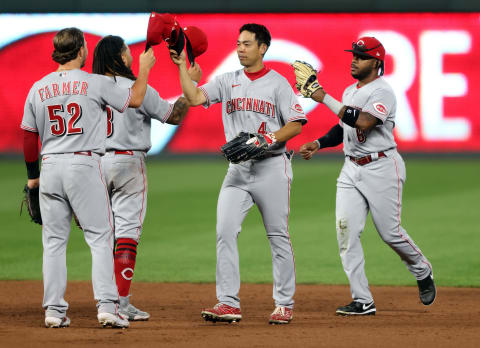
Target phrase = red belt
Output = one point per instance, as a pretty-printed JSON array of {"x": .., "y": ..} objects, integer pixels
[
  {"x": 124, "y": 152},
  {"x": 361, "y": 161},
  {"x": 84, "y": 153}
]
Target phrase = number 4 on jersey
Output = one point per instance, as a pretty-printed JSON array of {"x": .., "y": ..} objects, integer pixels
[{"x": 263, "y": 128}]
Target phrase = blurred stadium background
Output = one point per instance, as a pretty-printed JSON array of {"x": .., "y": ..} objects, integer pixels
[{"x": 433, "y": 50}]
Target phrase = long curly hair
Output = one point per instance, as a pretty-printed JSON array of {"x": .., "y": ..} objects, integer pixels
[{"x": 107, "y": 58}]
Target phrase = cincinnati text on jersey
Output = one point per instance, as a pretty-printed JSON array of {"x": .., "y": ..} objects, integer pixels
[
  {"x": 251, "y": 104},
  {"x": 67, "y": 88}
]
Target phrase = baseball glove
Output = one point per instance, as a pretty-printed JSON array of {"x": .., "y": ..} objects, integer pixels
[
  {"x": 31, "y": 199},
  {"x": 306, "y": 77},
  {"x": 245, "y": 146}
]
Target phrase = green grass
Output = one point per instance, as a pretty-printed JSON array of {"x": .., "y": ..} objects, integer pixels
[{"x": 440, "y": 210}]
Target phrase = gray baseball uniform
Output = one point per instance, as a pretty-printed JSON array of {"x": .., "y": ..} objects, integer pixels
[
  {"x": 128, "y": 140},
  {"x": 65, "y": 108},
  {"x": 375, "y": 186},
  {"x": 257, "y": 105}
]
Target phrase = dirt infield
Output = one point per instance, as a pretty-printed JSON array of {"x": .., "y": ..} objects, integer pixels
[{"x": 401, "y": 321}]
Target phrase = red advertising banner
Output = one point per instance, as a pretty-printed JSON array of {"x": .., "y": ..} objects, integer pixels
[{"x": 431, "y": 63}]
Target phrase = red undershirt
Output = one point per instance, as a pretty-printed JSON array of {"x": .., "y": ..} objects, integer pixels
[
  {"x": 258, "y": 74},
  {"x": 30, "y": 146}
]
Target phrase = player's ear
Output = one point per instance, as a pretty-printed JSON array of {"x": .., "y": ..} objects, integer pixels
[
  {"x": 263, "y": 48},
  {"x": 82, "y": 52},
  {"x": 124, "y": 59}
]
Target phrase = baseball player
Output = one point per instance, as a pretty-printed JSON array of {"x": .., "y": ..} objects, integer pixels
[
  {"x": 128, "y": 140},
  {"x": 372, "y": 176},
  {"x": 65, "y": 109},
  {"x": 254, "y": 99}
]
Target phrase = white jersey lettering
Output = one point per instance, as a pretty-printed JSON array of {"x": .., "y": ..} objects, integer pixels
[
  {"x": 65, "y": 108},
  {"x": 247, "y": 104}
]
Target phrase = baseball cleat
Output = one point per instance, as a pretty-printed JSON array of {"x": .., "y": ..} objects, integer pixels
[
  {"x": 130, "y": 312},
  {"x": 281, "y": 315},
  {"x": 113, "y": 320},
  {"x": 57, "y": 322},
  {"x": 427, "y": 290},
  {"x": 222, "y": 312},
  {"x": 357, "y": 308}
]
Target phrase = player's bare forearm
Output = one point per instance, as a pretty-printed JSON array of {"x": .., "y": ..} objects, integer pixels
[
  {"x": 139, "y": 88},
  {"x": 179, "y": 111},
  {"x": 319, "y": 95},
  {"x": 193, "y": 94},
  {"x": 288, "y": 131},
  {"x": 366, "y": 121}
]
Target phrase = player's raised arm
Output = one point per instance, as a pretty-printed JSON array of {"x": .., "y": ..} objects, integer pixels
[
  {"x": 181, "y": 106},
  {"x": 193, "y": 94},
  {"x": 139, "y": 88},
  {"x": 308, "y": 85},
  {"x": 349, "y": 115}
]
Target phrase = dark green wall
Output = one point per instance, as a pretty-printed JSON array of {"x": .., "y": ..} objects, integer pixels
[{"x": 27, "y": 6}]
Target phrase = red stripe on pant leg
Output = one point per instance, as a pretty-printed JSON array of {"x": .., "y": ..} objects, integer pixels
[
  {"x": 288, "y": 214},
  {"x": 108, "y": 207},
  {"x": 143, "y": 199},
  {"x": 398, "y": 218}
]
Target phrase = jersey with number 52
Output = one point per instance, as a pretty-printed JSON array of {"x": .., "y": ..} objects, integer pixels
[
  {"x": 66, "y": 109},
  {"x": 260, "y": 105}
]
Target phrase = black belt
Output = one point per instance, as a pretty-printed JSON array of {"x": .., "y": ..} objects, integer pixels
[{"x": 270, "y": 155}]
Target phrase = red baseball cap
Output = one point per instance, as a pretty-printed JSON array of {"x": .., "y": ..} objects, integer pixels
[
  {"x": 162, "y": 27},
  {"x": 368, "y": 46},
  {"x": 197, "y": 38}
]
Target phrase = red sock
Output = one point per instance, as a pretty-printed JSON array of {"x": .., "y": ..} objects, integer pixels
[{"x": 125, "y": 255}]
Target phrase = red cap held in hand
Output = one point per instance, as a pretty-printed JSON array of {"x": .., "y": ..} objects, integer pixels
[
  {"x": 163, "y": 27},
  {"x": 197, "y": 38}
]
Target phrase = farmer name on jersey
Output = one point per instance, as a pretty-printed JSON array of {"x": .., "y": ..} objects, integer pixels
[
  {"x": 66, "y": 88},
  {"x": 251, "y": 104}
]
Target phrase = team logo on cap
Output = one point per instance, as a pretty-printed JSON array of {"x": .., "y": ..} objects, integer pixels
[
  {"x": 380, "y": 108},
  {"x": 360, "y": 43}
]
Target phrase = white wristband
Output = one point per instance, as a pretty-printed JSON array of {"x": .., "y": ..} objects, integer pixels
[
  {"x": 332, "y": 104},
  {"x": 318, "y": 143}
]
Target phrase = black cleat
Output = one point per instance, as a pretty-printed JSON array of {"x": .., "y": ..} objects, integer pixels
[
  {"x": 427, "y": 290},
  {"x": 357, "y": 308}
]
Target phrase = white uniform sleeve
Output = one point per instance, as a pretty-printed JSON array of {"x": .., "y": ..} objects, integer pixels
[
  {"x": 114, "y": 95},
  {"x": 156, "y": 107},
  {"x": 380, "y": 103},
  {"x": 28, "y": 121},
  {"x": 289, "y": 109},
  {"x": 212, "y": 91},
  {"x": 340, "y": 122}
]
